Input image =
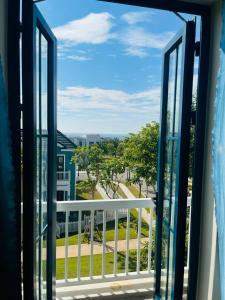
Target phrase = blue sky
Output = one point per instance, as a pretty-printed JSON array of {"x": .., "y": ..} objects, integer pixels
[{"x": 109, "y": 64}]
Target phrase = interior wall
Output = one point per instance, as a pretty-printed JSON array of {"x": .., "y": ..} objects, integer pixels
[
  {"x": 208, "y": 276},
  {"x": 3, "y": 33}
]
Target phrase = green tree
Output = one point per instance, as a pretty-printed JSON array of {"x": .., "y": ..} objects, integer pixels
[
  {"x": 110, "y": 172},
  {"x": 110, "y": 146},
  {"x": 140, "y": 156},
  {"x": 89, "y": 159}
]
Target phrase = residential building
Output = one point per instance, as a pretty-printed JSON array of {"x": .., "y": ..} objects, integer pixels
[{"x": 66, "y": 169}]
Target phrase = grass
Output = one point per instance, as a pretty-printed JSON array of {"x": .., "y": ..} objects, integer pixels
[
  {"x": 86, "y": 195},
  {"x": 110, "y": 231},
  {"x": 97, "y": 265}
]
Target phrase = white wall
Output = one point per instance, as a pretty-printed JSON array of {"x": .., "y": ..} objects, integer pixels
[
  {"x": 208, "y": 287},
  {"x": 3, "y": 33}
]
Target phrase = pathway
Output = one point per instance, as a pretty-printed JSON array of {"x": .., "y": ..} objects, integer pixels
[
  {"x": 86, "y": 248},
  {"x": 127, "y": 192}
]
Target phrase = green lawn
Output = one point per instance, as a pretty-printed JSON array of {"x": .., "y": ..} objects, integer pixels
[
  {"x": 97, "y": 265},
  {"x": 81, "y": 195},
  {"x": 110, "y": 231}
]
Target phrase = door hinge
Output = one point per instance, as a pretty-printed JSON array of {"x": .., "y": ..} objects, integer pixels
[{"x": 197, "y": 49}]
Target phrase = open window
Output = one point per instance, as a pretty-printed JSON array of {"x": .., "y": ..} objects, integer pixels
[
  {"x": 176, "y": 102},
  {"x": 39, "y": 149},
  {"x": 40, "y": 164}
]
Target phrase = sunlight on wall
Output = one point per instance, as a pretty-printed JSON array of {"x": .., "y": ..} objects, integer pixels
[{"x": 219, "y": 157}]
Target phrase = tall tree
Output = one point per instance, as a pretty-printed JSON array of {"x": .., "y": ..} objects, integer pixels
[
  {"x": 110, "y": 172},
  {"x": 89, "y": 159},
  {"x": 140, "y": 155}
]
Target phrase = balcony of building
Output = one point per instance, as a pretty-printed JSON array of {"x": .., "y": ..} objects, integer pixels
[
  {"x": 108, "y": 249},
  {"x": 63, "y": 180}
]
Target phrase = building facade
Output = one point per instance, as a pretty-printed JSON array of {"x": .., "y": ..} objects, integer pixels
[{"x": 66, "y": 169}]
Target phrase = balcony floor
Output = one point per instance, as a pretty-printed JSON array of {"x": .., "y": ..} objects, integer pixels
[{"x": 140, "y": 289}]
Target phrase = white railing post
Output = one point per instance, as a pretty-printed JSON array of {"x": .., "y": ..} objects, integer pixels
[
  {"x": 150, "y": 240},
  {"x": 66, "y": 244},
  {"x": 115, "y": 242},
  {"x": 79, "y": 244},
  {"x": 92, "y": 243},
  {"x": 103, "y": 243},
  {"x": 127, "y": 242},
  {"x": 139, "y": 240}
]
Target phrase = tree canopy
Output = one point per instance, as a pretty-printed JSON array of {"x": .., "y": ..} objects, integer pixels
[{"x": 107, "y": 162}]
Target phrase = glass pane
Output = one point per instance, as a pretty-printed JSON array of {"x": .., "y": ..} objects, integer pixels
[
  {"x": 37, "y": 269},
  {"x": 178, "y": 91},
  {"x": 44, "y": 164},
  {"x": 42, "y": 160},
  {"x": 43, "y": 266},
  {"x": 171, "y": 265},
  {"x": 44, "y": 84},
  {"x": 165, "y": 233},
  {"x": 170, "y": 171},
  {"x": 171, "y": 92},
  {"x": 173, "y": 184},
  {"x": 167, "y": 180}
]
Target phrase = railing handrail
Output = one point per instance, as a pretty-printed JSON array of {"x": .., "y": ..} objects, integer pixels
[{"x": 104, "y": 204}]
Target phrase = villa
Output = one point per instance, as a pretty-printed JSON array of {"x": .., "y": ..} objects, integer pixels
[{"x": 66, "y": 169}]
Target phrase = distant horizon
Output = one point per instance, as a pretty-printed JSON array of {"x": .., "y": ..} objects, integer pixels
[{"x": 96, "y": 133}]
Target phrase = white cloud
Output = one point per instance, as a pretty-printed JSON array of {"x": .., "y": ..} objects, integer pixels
[
  {"x": 95, "y": 28},
  {"x": 79, "y": 57},
  {"x": 136, "y": 17},
  {"x": 77, "y": 99},
  {"x": 136, "y": 51},
  {"x": 139, "y": 38},
  {"x": 138, "y": 41}
]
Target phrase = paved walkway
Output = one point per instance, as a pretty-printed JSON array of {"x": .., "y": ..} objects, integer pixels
[
  {"x": 86, "y": 248},
  {"x": 127, "y": 192},
  {"x": 101, "y": 191}
]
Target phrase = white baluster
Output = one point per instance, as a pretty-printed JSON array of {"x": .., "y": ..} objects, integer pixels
[
  {"x": 150, "y": 240},
  {"x": 103, "y": 243},
  {"x": 79, "y": 245},
  {"x": 127, "y": 242},
  {"x": 116, "y": 240},
  {"x": 66, "y": 244},
  {"x": 139, "y": 239},
  {"x": 92, "y": 243}
]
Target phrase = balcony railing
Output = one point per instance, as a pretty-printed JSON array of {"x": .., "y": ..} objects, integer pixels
[
  {"x": 101, "y": 212},
  {"x": 63, "y": 176},
  {"x": 86, "y": 216}
]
